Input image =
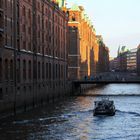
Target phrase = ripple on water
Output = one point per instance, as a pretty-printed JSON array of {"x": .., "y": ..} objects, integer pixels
[{"x": 73, "y": 119}]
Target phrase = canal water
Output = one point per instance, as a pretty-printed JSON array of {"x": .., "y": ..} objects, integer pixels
[{"x": 73, "y": 118}]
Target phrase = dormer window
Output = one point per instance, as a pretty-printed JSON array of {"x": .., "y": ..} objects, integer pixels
[{"x": 73, "y": 17}]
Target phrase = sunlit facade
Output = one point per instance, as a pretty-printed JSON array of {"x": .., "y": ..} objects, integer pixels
[
  {"x": 138, "y": 60},
  {"x": 132, "y": 60},
  {"x": 103, "y": 59},
  {"x": 87, "y": 55}
]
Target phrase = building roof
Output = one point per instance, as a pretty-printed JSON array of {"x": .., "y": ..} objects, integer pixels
[
  {"x": 124, "y": 49},
  {"x": 75, "y": 7}
]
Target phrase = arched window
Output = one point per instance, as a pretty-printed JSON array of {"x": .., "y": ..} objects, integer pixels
[
  {"x": 43, "y": 70},
  {"x": 6, "y": 69},
  {"x": 73, "y": 17},
  {"x": 38, "y": 70},
  {"x": 39, "y": 20},
  {"x": 11, "y": 70},
  {"x": 29, "y": 14},
  {"x": 23, "y": 11},
  {"x": 46, "y": 24},
  {"x": 1, "y": 4},
  {"x": 1, "y": 94},
  {"x": 1, "y": 70},
  {"x": 50, "y": 71},
  {"x": 24, "y": 69},
  {"x": 59, "y": 71},
  {"x": 18, "y": 70},
  {"x": 46, "y": 70},
  {"x": 29, "y": 70},
  {"x": 56, "y": 70}
]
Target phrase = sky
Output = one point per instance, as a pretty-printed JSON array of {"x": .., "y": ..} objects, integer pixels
[{"x": 118, "y": 21}]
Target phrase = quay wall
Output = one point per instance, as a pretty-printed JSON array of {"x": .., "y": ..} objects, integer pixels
[{"x": 36, "y": 96}]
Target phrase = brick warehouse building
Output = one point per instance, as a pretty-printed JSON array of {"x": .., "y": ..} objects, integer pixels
[
  {"x": 138, "y": 60},
  {"x": 33, "y": 52},
  {"x": 84, "y": 50},
  {"x": 103, "y": 61}
]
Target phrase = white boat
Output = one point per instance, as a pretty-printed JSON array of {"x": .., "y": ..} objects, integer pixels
[{"x": 104, "y": 107}]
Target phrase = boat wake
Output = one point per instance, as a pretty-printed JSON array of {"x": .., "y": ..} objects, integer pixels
[
  {"x": 110, "y": 95},
  {"x": 53, "y": 119},
  {"x": 129, "y": 112}
]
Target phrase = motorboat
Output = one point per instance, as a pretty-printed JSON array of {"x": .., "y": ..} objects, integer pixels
[{"x": 104, "y": 107}]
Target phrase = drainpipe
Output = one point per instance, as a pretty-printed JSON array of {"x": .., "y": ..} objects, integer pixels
[
  {"x": 34, "y": 36},
  {"x": 53, "y": 52},
  {"x": 43, "y": 52},
  {"x": 15, "y": 52}
]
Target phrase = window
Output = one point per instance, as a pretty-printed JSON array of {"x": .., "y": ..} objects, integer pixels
[
  {"x": 18, "y": 90},
  {"x": 50, "y": 70},
  {"x": 29, "y": 30},
  {"x": 39, "y": 19},
  {"x": 46, "y": 70},
  {"x": 38, "y": 5},
  {"x": 18, "y": 70},
  {"x": 6, "y": 69},
  {"x": 38, "y": 70},
  {"x": 24, "y": 45},
  {"x": 38, "y": 49},
  {"x": 29, "y": 14},
  {"x": 24, "y": 11},
  {"x": 1, "y": 3},
  {"x": 30, "y": 89},
  {"x": 46, "y": 11},
  {"x": 56, "y": 71},
  {"x": 29, "y": 70},
  {"x": 50, "y": 39},
  {"x": 23, "y": 28},
  {"x": 62, "y": 71},
  {"x": 1, "y": 94},
  {"x": 5, "y": 4},
  {"x": 73, "y": 17},
  {"x": 24, "y": 88},
  {"x": 6, "y": 40},
  {"x": 59, "y": 71},
  {"x": 11, "y": 70},
  {"x": 38, "y": 34},
  {"x": 1, "y": 70},
  {"x": 43, "y": 70},
  {"x": 29, "y": 46},
  {"x": 24, "y": 69},
  {"x": 46, "y": 24}
]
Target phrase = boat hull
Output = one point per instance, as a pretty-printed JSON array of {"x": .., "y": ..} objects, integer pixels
[{"x": 95, "y": 113}]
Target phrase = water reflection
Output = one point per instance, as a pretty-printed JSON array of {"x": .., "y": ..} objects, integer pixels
[{"x": 73, "y": 118}]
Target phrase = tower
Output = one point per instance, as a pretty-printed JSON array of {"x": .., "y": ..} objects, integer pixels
[
  {"x": 119, "y": 51},
  {"x": 62, "y": 3}
]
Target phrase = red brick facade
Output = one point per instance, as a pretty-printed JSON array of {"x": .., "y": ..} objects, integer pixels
[
  {"x": 33, "y": 51},
  {"x": 103, "y": 61},
  {"x": 88, "y": 54}
]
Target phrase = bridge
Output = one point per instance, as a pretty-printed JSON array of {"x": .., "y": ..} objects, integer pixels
[{"x": 78, "y": 84}]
